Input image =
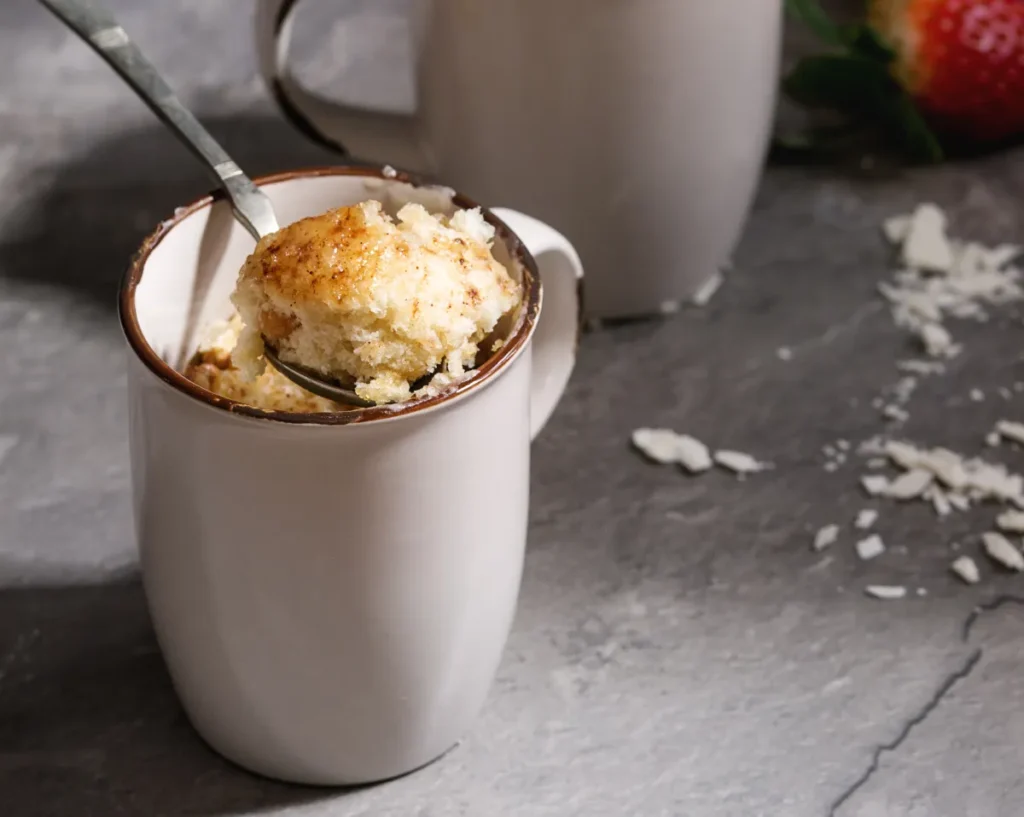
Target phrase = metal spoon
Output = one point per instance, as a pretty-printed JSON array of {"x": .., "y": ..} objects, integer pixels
[{"x": 250, "y": 205}]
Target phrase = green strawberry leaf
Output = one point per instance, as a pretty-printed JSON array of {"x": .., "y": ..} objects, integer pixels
[
  {"x": 905, "y": 122},
  {"x": 860, "y": 40},
  {"x": 862, "y": 88},
  {"x": 812, "y": 15},
  {"x": 865, "y": 42},
  {"x": 839, "y": 82}
]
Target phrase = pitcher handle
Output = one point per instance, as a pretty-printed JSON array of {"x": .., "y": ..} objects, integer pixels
[
  {"x": 374, "y": 136},
  {"x": 556, "y": 338}
]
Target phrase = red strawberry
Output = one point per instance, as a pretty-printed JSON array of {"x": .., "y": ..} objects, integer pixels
[
  {"x": 962, "y": 61},
  {"x": 957, "y": 65}
]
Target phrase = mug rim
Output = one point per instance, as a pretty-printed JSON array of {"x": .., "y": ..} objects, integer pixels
[{"x": 494, "y": 365}]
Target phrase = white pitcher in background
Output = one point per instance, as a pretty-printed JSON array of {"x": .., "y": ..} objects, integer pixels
[{"x": 636, "y": 127}]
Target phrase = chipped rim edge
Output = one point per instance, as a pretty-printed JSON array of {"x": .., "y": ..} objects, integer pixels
[{"x": 493, "y": 366}]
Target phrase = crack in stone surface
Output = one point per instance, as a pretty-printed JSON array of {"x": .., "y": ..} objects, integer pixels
[
  {"x": 944, "y": 689},
  {"x": 988, "y": 607},
  {"x": 876, "y": 759}
]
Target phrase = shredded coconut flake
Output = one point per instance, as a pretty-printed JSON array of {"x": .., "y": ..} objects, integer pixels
[
  {"x": 966, "y": 569},
  {"x": 974, "y": 478},
  {"x": 958, "y": 501},
  {"x": 909, "y": 485},
  {"x": 895, "y": 413},
  {"x": 703, "y": 296},
  {"x": 943, "y": 507},
  {"x": 937, "y": 341},
  {"x": 871, "y": 547},
  {"x": 740, "y": 463},
  {"x": 926, "y": 246},
  {"x": 944, "y": 278},
  {"x": 874, "y": 484},
  {"x": 1008, "y": 430},
  {"x": 998, "y": 257},
  {"x": 694, "y": 455},
  {"x": 1011, "y": 521},
  {"x": 896, "y": 229},
  {"x": 921, "y": 367},
  {"x": 658, "y": 444},
  {"x": 826, "y": 537},
  {"x": 886, "y": 592},
  {"x": 866, "y": 519},
  {"x": 1001, "y": 550},
  {"x": 666, "y": 447}
]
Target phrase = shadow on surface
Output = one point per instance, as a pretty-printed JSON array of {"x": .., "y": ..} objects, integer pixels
[
  {"x": 88, "y": 218},
  {"x": 89, "y": 723}
]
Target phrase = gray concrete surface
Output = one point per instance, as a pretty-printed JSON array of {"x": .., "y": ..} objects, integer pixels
[{"x": 678, "y": 649}]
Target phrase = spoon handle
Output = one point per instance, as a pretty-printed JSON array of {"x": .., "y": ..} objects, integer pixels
[{"x": 102, "y": 32}]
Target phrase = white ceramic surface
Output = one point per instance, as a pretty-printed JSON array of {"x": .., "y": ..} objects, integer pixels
[
  {"x": 332, "y": 599},
  {"x": 636, "y": 128}
]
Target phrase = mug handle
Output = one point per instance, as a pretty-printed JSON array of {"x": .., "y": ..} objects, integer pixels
[
  {"x": 557, "y": 335},
  {"x": 373, "y": 136}
]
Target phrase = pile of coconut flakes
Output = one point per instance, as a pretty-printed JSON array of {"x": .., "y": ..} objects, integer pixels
[{"x": 939, "y": 278}]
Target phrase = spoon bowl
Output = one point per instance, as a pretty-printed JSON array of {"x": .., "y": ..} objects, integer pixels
[{"x": 314, "y": 382}]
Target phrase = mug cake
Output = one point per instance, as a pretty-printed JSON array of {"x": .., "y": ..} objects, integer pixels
[{"x": 399, "y": 307}]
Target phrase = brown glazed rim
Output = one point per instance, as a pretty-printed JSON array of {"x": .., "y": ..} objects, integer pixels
[{"x": 478, "y": 377}]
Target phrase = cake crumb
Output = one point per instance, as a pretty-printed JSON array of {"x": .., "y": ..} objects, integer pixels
[{"x": 379, "y": 301}]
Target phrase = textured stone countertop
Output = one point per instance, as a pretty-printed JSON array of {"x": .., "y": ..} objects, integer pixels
[{"x": 679, "y": 649}]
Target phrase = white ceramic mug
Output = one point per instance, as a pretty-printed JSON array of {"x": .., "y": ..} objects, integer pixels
[
  {"x": 332, "y": 593},
  {"x": 636, "y": 127}
]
